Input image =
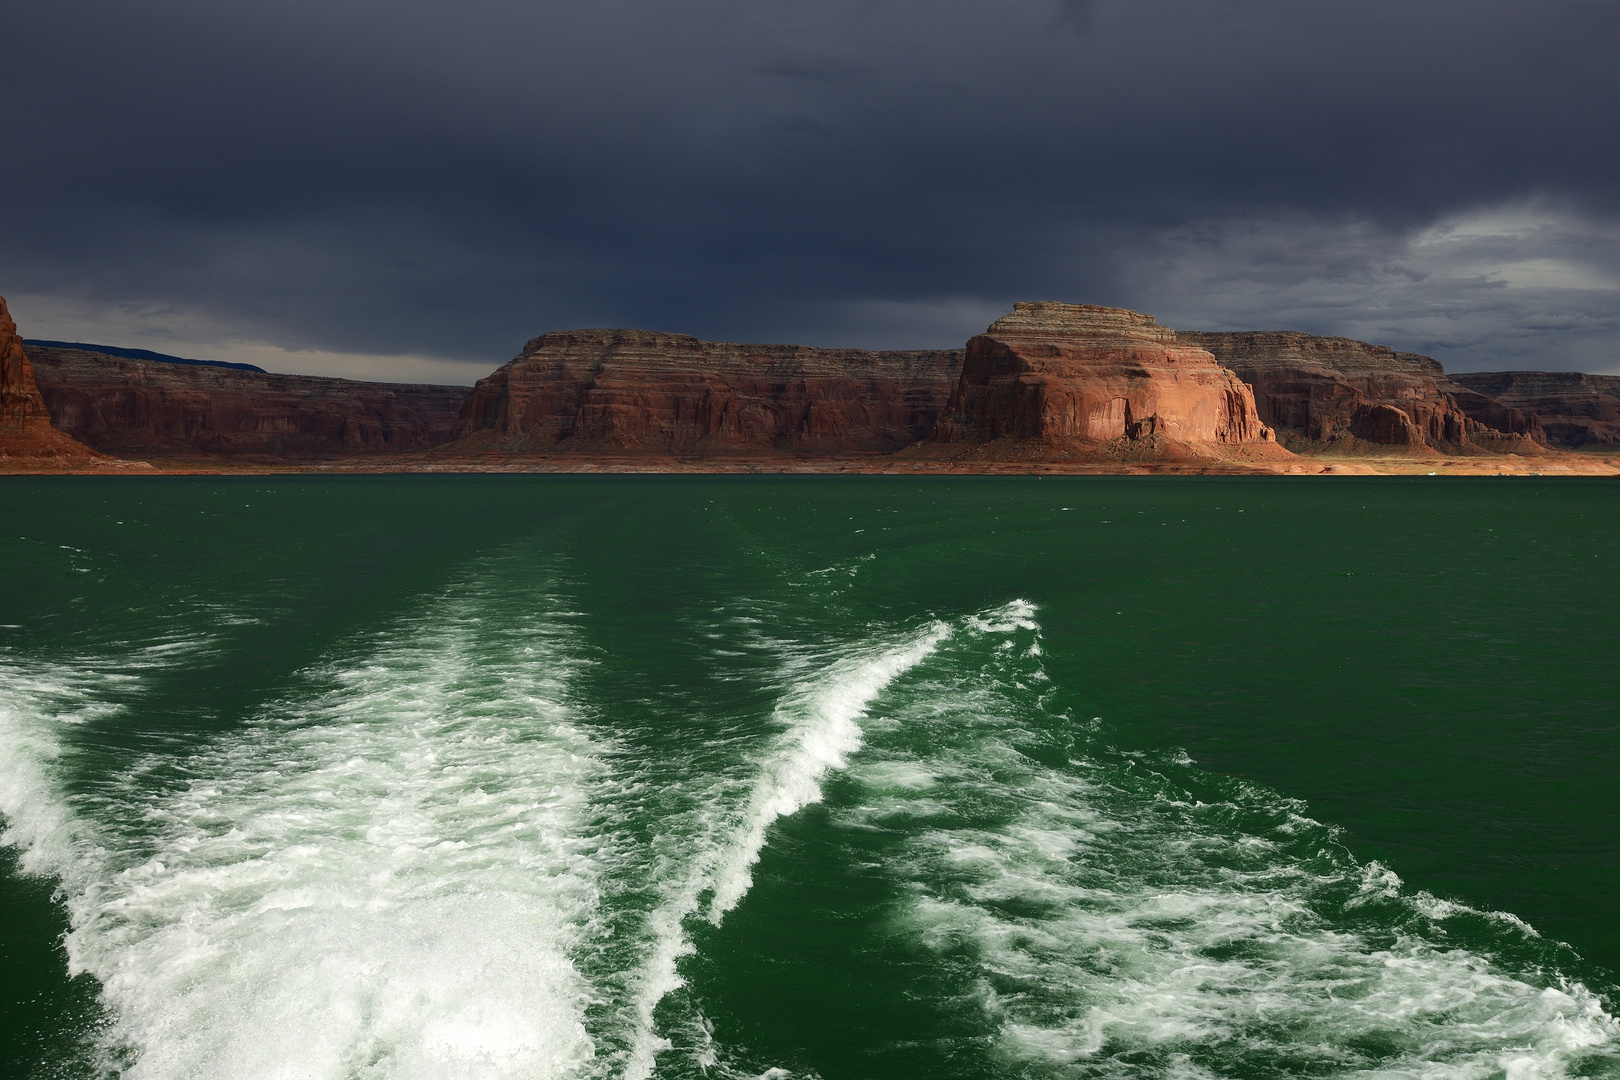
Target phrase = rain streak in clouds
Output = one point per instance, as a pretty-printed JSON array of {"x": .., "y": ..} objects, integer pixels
[{"x": 410, "y": 190}]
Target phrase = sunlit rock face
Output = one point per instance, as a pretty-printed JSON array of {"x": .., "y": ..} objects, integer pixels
[{"x": 1066, "y": 373}]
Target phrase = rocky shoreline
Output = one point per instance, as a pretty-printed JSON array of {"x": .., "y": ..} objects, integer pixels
[{"x": 1049, "y": 388}]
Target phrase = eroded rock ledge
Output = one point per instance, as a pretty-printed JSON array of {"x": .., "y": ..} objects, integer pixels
[{"x": 1324, "y": 393}]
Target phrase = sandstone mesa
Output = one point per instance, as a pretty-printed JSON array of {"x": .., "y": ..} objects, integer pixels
[
  {"x": 1050, "y": 387},
  {"x": 1062, "y": 380}
]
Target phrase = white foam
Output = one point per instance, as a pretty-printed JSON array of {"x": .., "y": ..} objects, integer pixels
[
  {"x": 820, "y": 717},
  {"x": 822, "y": 729},
  {"x": 41, "y": 702},
  {"x": 37, "y": 701},
  {"x": 1110, "y": 918},
  {"x": 399, "y": 870},
  {"x": 383, "y": 875}
]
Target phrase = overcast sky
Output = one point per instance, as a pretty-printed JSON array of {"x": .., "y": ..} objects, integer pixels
[{"x": 412, "y": 189}]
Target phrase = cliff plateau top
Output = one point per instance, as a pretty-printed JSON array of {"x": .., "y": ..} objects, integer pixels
[
  {"x": 1080, "y": 324},
  {"x": 671, "y": 348}
]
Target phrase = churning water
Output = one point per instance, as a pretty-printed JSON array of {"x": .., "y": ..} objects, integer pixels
[{"x": 618, "y": 790}]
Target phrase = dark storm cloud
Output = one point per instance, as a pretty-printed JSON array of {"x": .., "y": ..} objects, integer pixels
[{"x": 446, "y": 180}]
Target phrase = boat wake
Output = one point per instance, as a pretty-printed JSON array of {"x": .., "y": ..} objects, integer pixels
[
  {"x": 1122, "y": 915},
  {"x": 818, "y": 723},
  {"x": 432, "y": 856}
]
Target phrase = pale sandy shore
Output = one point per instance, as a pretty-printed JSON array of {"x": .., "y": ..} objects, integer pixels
[{"x": 1551, "y": 463}]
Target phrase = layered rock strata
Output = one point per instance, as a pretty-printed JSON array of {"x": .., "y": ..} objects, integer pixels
[
  {"x": 1054, "y": 378},
  {"x": 1048, "y": 386},
  {"x": 1577, "y": 410},
  {"x": 637, "y": 391},
  {"x": 1318, "y": 392},
  {"x": 25, "y": 423},
  {"x": 149, "y": 408}
]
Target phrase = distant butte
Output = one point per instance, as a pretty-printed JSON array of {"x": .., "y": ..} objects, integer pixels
[{"x": 1080, "y": 382}]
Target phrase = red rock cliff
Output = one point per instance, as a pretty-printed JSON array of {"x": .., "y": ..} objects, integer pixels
[
  {"x": 1576, "y": 409},
  {"x": 154, "y": 409},
  {"x": 25, "y": 423},
  {"x": 635, "y": 390},
  {"x": 1077, "y": 373},
  {"x": 1324, "y": 391}
]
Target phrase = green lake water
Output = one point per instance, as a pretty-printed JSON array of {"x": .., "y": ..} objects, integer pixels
[{"x": 778, "y": 777}]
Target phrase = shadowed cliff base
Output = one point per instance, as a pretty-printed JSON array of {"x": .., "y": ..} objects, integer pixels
[{"x": 1093, "y": 461}]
